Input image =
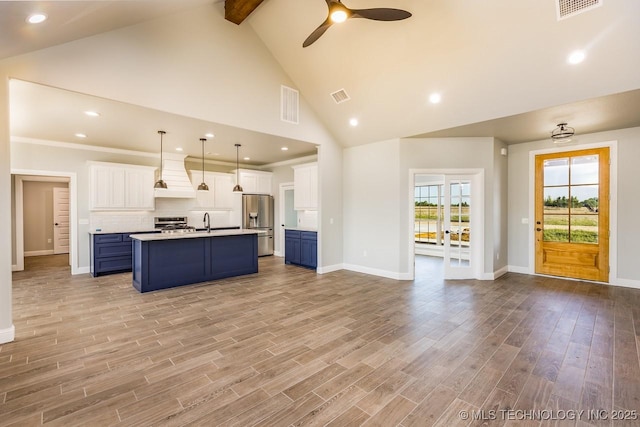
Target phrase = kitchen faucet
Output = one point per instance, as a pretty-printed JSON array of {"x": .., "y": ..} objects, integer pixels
[{"x": 207, "y": 221}]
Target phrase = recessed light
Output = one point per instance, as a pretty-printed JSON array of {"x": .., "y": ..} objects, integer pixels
[
  {"x": 576, "y": 57},
  {"x": 36, "y": 18},
  {"x": 247, "y": 158},
  {"x": 81, "y": 135},
  {"x": 215, "y": 154},
  {"x": 435, "y": 98},
  {"x": 353, "y": 122},
  {"x": 209, "y": 135},
  {"x": 284, "y": 148},
  {"x": 92, "y": 113},
  {"x": 179, "y": 149}
]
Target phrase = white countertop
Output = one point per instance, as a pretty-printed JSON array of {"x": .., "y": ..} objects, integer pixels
[
  {"x": 115, "y": 231},
  {"x": 195, "y": 235},
  {"x": 301, "y": 229}
]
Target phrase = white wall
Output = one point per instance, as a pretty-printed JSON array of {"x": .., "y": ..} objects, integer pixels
[
  {"x": 371, "y": 200},
  {"x": 628, "y": 182},
  {"x": 6, "y": 324}
]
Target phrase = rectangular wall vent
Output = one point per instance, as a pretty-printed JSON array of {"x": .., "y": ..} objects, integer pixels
[
  {"x": 568, "y": 8},
  {"x": 340, "y": 96},
  {"x": 289, "y": 105}
]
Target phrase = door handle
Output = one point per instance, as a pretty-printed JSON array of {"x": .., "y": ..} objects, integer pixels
[
  {"x": 446, "y": 232},
  {"x": 55, "y": 223},
  {"x": 538, "y": 229}
]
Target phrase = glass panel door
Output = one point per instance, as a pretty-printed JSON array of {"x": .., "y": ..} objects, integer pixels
[{"x": 458, "y": 244}]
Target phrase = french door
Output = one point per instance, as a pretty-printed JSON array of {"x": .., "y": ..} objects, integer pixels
[
  {"x": 572, "y": 214},
  {"x": 460, "y": 225}
]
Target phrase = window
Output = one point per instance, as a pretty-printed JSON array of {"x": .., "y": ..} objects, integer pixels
[
  {"x": 571, "y": 187},
  {"x": 429, "y": 212}
]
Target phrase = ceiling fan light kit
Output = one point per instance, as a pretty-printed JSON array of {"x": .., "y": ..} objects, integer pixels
[
  {"x": 338, "y": 12},
  {"x": 562, "y": 133}
]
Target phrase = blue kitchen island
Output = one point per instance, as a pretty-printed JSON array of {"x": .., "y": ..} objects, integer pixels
[{"x": 163, "y": 261}]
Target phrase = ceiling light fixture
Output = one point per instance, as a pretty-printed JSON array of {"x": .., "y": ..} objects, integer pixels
[
  {"x": 209, "y": 135},
  {"x": 353, "y": 122},
  {"x": 339, "y": 13},
  {"x": 81, "y": 135},
  {"x": 179, "y": 149},
  {"x": 238, "y": 187},
  {"x": 203, "y": 185},
  {"x": 36, "y": 18},
  {"x": 562, "y": 133},
  {"x": 435, "y": 98},
  {"x": 246, "y": 158},
  {"x": 284, "y": 148},
  {"x": 576, "y": 57},
  {"x": 160, "y": 183},
  {"x": 92, "y": 113}
]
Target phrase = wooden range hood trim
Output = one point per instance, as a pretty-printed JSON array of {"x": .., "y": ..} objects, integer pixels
[{"x": 237, "y": 11}]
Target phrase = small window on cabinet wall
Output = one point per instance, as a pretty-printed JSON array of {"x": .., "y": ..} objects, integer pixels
[{"x": 429, "y": 213}]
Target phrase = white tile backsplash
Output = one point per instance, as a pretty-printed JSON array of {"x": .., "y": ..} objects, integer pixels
[{"x": 120, "y": 221}]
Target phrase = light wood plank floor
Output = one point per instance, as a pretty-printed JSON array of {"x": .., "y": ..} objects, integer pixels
[{"x": 289, "y": 347}]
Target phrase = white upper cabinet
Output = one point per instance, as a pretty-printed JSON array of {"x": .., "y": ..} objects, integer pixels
[
  {"x": 255, "y": 182},
  {"x": 220, "y": 194},
  {"x": 305, "y": 181},
  {"x": 115, "y": 186}
]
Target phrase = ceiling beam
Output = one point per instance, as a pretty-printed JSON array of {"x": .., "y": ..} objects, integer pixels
[{"x": 237, "y": 11}]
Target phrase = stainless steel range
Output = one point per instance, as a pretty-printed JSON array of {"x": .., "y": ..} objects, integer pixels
[{"x": 173, "y": 224}]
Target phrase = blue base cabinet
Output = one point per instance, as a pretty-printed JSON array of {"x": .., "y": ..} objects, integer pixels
[
  {"x": 110, "y": 253},
  {"x": 301, "y": 248},
  {"x": 161, "y": 264}
]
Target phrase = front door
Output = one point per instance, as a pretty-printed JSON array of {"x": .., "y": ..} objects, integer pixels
[{"x": 572, "y": 214}]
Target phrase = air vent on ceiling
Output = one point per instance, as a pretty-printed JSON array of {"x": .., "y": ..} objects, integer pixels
[
  {"x": 340, "y": 96},
  {"x": 289, "y": 105},
  {"x": 568, "y": 8}
]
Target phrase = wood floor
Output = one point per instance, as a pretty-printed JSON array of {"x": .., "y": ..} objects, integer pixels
[{"x": 289, "y": 347}]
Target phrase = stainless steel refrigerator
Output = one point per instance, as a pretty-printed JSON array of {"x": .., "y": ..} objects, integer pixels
[{"x": 257, "y": 212}]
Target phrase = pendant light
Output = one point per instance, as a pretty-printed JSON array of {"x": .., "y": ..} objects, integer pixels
[
  {"x": 203, "y": 186},
  {"x": 238, "y": 187},
  {"x": 160, "y": 183}
]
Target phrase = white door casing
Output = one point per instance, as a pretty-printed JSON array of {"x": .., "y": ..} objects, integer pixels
[{"x": 474, "y": 269}]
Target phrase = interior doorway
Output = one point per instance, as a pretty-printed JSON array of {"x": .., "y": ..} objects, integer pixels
[
  {"x": 288, "y": 215},
  {"x": 447, "y": 221},
  {"x": 39, "y": 210}
]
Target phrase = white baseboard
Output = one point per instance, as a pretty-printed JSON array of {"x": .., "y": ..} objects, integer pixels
[
  {"x": 8, "y": 334},
  {"x": 38, "y": 253},
  {"x": 377, "y": 272},
  {"x": 329, "y": 268},
  {"x": 81, "y": 270},
  {"x": 493, "y": 276},
  {"x": 627, "y": 283},
  {"x": 278, "y": 253},
  {"x": 14, "y": 267},
  {"x": 518, "y": 269}
]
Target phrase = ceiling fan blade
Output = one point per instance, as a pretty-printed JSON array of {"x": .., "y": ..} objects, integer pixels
[
  {"x": 381, "y": 14},
  {"x": 315, "y": 35}
]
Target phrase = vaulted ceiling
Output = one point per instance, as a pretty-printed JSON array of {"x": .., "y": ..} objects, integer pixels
[{"x": 500, "y": 66}]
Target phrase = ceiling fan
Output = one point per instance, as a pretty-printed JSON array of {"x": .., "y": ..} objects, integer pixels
[{"x": 340, "y": 13}]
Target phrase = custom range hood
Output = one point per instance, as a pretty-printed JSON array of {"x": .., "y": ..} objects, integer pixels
[{"x": 175, "y": 176}]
